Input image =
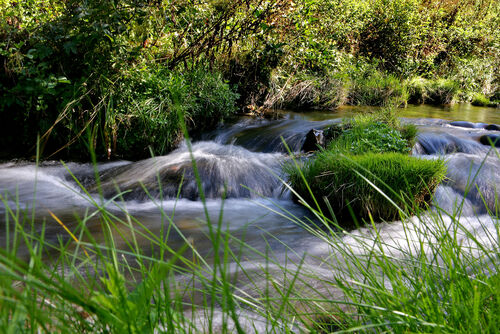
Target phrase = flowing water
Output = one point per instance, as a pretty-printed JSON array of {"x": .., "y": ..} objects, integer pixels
[{"x": 242, "y": 162}]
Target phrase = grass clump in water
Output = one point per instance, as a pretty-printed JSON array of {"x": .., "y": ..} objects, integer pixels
[
  {"x": 337, "y": 178},
  {"x": 377, "y": 137},
  {"x": 376, "y": 146},
  {"x": 379, "y": 132}
]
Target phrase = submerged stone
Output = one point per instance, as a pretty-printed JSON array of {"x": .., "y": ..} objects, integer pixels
[
  {"x": 492, "y": 127},
  {"x": 225, "y": 171},
  {"x": 490, "y": 140},
  {"x": 464, "y": 124}
]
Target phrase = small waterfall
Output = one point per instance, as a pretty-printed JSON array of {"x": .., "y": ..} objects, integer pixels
[
  {"x": 445, "y": 143},
  {"x": 268, "y": 136},
  {"x": 473, "y": 175},
  {"x": 27, "y": 187},
  {"x": 473, "y": 180},
  {"x": 224, "y": 170}
]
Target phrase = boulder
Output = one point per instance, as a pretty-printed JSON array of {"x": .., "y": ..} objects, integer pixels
[
  {"x": 470, "y": 125},
  {"x": 492, "y": 127},
  {"x": 314, "y": 139},
  {"x": 463, "y": 124},
  {"x": 490, "y": 139},
  {"x": 334, "y": 131}
]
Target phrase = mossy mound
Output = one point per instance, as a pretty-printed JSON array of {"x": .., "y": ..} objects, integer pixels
[
  {"x": 371, "y": 133},
  {"x": 338, "y": 180},
  {"x": 370, "y": 137}
]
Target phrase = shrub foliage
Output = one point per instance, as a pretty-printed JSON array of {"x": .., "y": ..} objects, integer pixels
[{"x": 66, "y": 64}]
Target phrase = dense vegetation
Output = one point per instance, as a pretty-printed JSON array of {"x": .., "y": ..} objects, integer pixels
[
  {"x": 366, "y": 172},
  {"x": 101, "y": 72}
]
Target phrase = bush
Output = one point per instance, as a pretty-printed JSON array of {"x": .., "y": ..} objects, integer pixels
[
  {"x": 334, "y": 177},
  {"x": 480, "y": 100},
  {"x": 145, "y": 107},
  {"x": 475, "y": 75},
  {"x": 440, "y": 91},
  {"x": 389, "y": 32},
  {"x": 250, "y": 71},
  {"x": 417, "y": 90},
  {"x": 377, "y": 89},
  {"x": 306, "y": 91}
]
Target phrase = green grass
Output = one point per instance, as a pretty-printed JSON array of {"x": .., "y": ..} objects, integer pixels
[
  {"x": 362, "y": 85},
  {"x": 141, "y": 113},
  {"x": 303, "y": 91},
  {"x": 374, "y": 137},
  {"x": 377, "y": 89},
  {"x": 440, "y": 91},
  {"x": 380, "y": 131},
  {"x": 340, "y": 181},
  {"x": 437, "y": 283},
  {"x": 482, "y": 101}
]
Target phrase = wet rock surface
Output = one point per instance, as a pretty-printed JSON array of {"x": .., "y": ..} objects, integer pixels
[
  {"x": 224, "y": 171},
  {"x": 490, "y": 139},
  {"x": 464, "y": 124},
  {"x": 492, "y": 127},
  {"x": 470, "y": 125},
  {"x": 314, "y": 140}
]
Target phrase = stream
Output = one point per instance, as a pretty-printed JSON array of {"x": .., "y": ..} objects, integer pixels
[{"x": 240, "y": 167}]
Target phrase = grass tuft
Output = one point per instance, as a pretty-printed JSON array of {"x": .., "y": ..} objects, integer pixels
[
  {"x": 305, "y": 91},
  {"x": 338, "y": 179},
  {"x": 377, "y": 89},
  {"x": 440, "y": 91}
]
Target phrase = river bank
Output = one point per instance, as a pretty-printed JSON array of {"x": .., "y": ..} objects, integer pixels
[{"x": 115, "y": 76}]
